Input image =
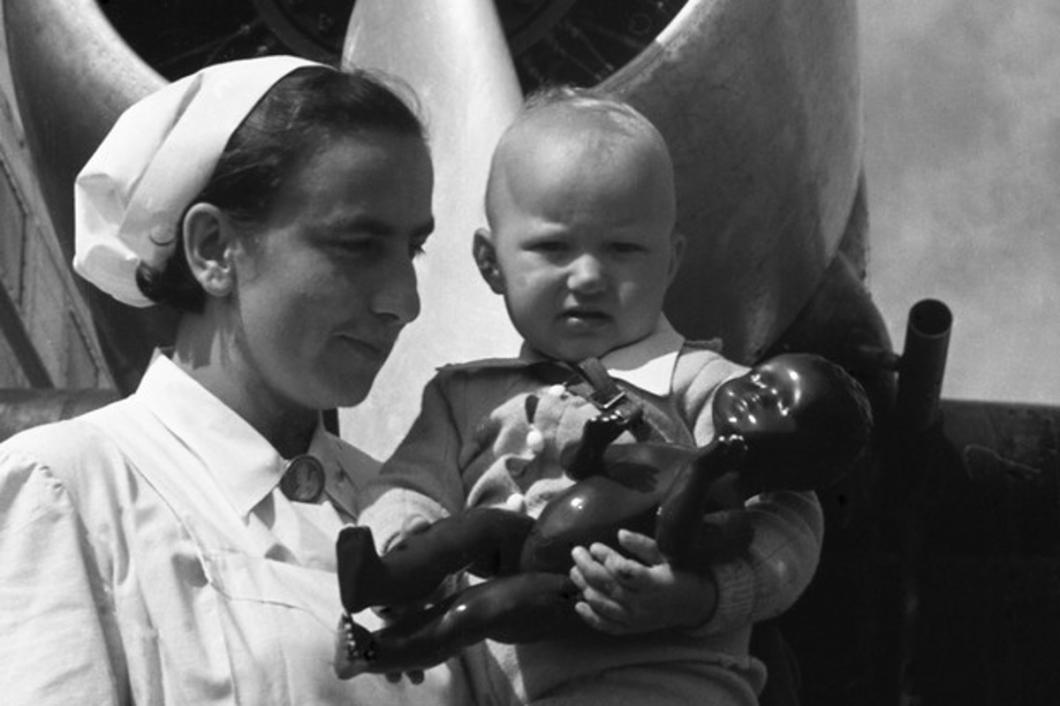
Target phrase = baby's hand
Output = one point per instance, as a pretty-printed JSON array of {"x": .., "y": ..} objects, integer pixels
[{"x": 622, "y": 596}]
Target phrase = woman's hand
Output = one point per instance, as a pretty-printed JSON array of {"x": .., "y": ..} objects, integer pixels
[
  {"x": 623, "y": 595},
  {"x": 412, "y": 525}
]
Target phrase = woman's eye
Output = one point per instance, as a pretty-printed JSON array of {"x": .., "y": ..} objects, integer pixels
[
  {"x": 416, "y": 248},
  {"x": 361, "y": 246}
]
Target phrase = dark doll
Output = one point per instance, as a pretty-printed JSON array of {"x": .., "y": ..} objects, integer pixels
[{"x": 795, "y": 422}]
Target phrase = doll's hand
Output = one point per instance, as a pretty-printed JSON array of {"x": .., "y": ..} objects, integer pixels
[{"x": 623, "y": 595}]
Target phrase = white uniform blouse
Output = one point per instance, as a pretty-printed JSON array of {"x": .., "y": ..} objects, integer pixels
[{"x": 147, "y": 556}]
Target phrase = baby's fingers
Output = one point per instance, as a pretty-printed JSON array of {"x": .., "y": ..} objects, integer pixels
[
  {"x": 600, "y": 621},
  {"x": 641, "y": 546},
  {"x": 591, "y": 571},
  {"x": 627, "y": 572},
  {"x": 597, "y": 609}
]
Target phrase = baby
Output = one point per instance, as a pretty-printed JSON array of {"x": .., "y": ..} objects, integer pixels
[{"x": 582, "y": 246}]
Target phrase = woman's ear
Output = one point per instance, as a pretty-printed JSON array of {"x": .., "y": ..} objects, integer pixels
[
  {"x": 486, "y": 259},
  {"x": 208, "y": 246}
]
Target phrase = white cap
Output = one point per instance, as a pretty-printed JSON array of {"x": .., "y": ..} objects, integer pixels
[{"x": 159, "y": 155}]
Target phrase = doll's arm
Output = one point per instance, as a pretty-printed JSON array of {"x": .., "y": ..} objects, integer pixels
[{"x": 597, "y": 435}]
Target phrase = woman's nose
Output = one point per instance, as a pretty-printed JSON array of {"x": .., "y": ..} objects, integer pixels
[
  {"x": 586, "y": 274},
  {"x": 397, "y": 298}
]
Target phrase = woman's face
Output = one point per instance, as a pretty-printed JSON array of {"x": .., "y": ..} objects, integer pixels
[{"x": 326, "y": 284}]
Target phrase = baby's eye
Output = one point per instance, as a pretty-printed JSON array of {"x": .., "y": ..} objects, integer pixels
[
  {"x": 627, "y": 247},
  {"x": 548, "y": 246}
]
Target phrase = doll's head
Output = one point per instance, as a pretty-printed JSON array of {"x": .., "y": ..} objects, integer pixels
[
  {"x": 581, "y": 210},
  {"x": 800, "y": 415}
]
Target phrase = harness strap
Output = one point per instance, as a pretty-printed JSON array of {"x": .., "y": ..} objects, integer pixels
[{"x": 609, "y": 398}]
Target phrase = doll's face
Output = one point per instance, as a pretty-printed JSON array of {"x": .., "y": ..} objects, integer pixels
[
  {"x": 803, "y": 420},
  {"x": 773, "y": 398}
]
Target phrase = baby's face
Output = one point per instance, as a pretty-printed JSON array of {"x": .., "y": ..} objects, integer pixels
[{"x": 586, "y": 252}]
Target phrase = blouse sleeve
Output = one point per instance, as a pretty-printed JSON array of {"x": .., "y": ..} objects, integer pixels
[
  {"x": 421, "y": 479},
  {"x": 59, "y": 641}
]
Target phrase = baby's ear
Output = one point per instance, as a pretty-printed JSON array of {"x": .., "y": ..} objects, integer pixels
[
  {"x": 486, "y": 259},
  {"x": 677, "y": 245}
]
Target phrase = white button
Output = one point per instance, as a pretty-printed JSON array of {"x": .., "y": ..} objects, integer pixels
[{"x": 535, "y": 440}]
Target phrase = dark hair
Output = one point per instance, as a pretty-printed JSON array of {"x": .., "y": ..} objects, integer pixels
[
  {"x": 298, "y": 117},
  {"x": 847, "y": 414}
]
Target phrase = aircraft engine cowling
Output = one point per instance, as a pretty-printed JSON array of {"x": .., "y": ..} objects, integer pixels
[{"x": 759, "y": 100}]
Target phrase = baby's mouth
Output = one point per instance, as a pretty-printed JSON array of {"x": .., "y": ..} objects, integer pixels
[{"x": 587, "y": 317}]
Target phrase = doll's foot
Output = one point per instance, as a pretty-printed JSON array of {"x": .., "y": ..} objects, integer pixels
[{"x": 353, "y": 649}]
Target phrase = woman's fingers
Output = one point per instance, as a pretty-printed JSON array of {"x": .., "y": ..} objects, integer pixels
[{"x": 416, "y": 677}]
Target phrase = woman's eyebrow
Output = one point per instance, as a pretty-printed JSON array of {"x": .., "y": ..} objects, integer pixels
[{"x": 373, "y": 226}]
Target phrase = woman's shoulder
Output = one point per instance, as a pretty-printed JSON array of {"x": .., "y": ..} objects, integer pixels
[{"x": 64, "y": 448}]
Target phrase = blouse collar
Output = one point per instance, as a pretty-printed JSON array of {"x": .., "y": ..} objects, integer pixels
[{"x": 246, "y": 466}]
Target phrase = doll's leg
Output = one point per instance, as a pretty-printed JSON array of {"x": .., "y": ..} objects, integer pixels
[
  {"x": 513, "y": 609},
  {"x": 486, "y": 541}
]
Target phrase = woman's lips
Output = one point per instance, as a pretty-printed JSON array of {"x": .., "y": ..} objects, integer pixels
[{"x": 369, "y": 348}]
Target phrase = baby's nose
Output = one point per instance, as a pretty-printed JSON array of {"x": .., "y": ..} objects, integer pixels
[{"x": 586, "y": 274}]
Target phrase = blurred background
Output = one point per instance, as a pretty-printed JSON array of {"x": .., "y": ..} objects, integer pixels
[{"x": 962, "y": 122}]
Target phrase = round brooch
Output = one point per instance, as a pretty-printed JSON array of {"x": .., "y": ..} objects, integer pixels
[{"x": 303, "y": 479}]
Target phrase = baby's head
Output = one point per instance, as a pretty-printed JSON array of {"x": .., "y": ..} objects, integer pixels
[{"x": 581, "y": 240}]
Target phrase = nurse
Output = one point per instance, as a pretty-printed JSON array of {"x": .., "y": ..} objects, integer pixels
[{"x": 177, "y": 547}]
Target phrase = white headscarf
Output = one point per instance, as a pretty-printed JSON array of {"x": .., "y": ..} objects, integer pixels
[{"x": 159, "y": 155}]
